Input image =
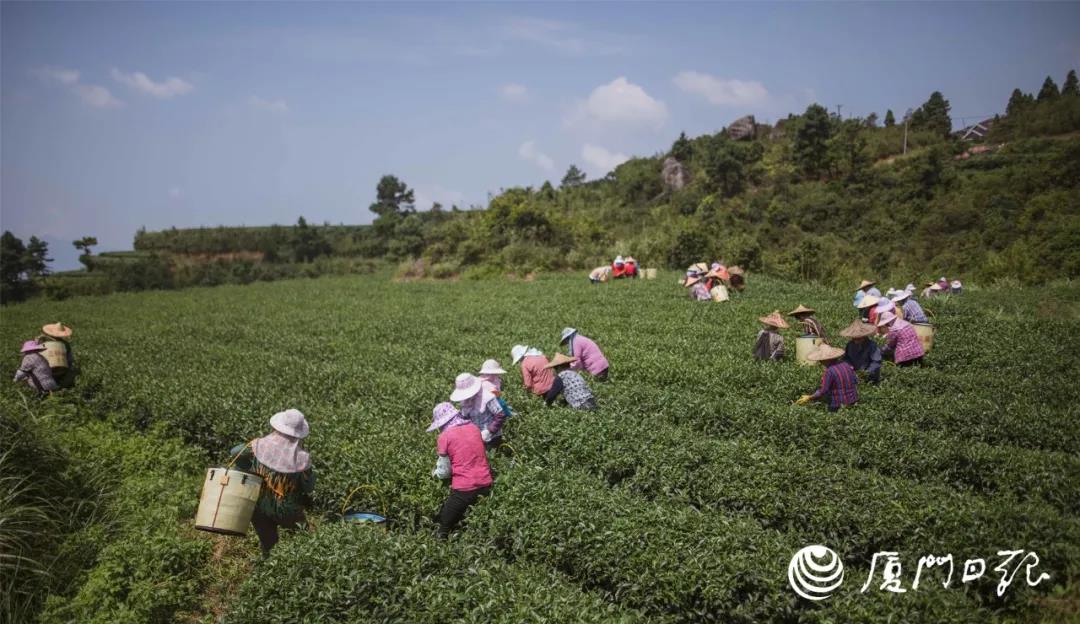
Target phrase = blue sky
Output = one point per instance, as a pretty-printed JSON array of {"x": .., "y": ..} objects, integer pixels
[{"x": 121, "y": 115}]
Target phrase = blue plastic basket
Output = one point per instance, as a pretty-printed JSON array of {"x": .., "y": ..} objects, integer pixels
[{"x": 364, "y": 518}]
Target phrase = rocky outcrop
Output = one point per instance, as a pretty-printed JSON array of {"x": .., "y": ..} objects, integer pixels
[
  {"x": 675, "y": 175},
  {"x": 742, "y": 129}
]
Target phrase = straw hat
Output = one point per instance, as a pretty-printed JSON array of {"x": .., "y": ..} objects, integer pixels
[
  {"x": 517, "y": 353},
  {"x": 491, "y": 367},
  {"x": 825, "y": 352},
  {"x": 56, "y": 330},
  {"x": 559, "y": 360},
  {"x": 774, "y": 319},
  {"x": 868, "y": 301},
  {"x": 801, "y": 310},
  {"x": 866, "y": 284},
  {"x": 690, "y": 281},
  {"x": 735, "y": 270},
  {"x": 712, "y": 273},
  {"x": 885, "y": 319},
  {"x": 858, "y": 329},
  {"x": 935, "y": 286},
  {"x": 566, "y": 333},
  {"x": 31, "y": 346},
  {"x": 465, "y": 385},
  {"x": 900, "y": 296},
  {"x": 442, "y": 414},
  {"x": 701, "y": 267},
  {"x": 291, "y": 422}
]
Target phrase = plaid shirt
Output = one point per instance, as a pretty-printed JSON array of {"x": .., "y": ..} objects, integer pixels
[
  {"x": 913, "y": 312},
  {"x": 839, "y": 382},
  {"x": 903, "y": 342}
]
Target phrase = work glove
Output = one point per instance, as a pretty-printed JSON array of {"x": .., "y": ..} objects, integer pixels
[
  {"x": 485, "y": 435},
  {"x": 804, "y": 399}
]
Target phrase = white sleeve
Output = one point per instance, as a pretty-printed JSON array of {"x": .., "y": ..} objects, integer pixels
[{"x": 442, "y": 468}]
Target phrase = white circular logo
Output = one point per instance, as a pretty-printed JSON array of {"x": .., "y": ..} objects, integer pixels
[{"x": 813, "y": 580}]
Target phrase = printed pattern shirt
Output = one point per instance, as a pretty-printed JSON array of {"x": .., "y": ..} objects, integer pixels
[
  {"x": 35, "y": 364},
  {"x": 283, "y": 493},
  {"x": 903, "y": 342},
  {"x": 698, "y": 292},
  {"x": 575, "y": 389},
  {"x": 839, "y": 384},
  {"x": 769, "y": 346}
]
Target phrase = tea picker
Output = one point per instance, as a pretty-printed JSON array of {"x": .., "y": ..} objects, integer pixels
[
  {"x": 269, "y": 487},
  {"x": 463, "y": 460},
  {"x": 34, "y": 369},
  {"x": 839, "y": 385},
  {"x": 57, "y": 351},
  {"x": 863, "y": 354}
]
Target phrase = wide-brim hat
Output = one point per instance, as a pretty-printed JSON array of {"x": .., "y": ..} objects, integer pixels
[
  {"x": 701, "y": 267},
  {"x": 466, "y": 385},
  {"x": 935, "y": 286},
  {"x": 491, "y": 367},
  {"x": 885, "y": 319},
  {"x": 619, "y": 260},
  {"x": 712, "y": 273},
  {"x": 866, "y": 284},
  {"x": 517, "y": 353},
  {"x": 559, "y": 360},
  {"x": 868, "y": 301},
  {"x": 442, "y": 414},
  {"x": 801, "y": 310},
  {"x": 690, "y": 281},
  {"x": 735, "y": 270},
  {"x": 31, "y": 346},
  {"x": 566, "y": 333},
  {"x": 291, "y": 422},
  {"x": 825, "y": 352},
  {"x": 56, "y": 330},
  {"x": 774, "y": 319},
  {"x": 900, "y": 296},
  {"x": 858, "y": 329}
]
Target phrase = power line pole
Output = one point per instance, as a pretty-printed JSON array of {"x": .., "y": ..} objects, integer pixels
[
  {"x": 838, "y": 107},
  {"x": 907, "y": 120}
]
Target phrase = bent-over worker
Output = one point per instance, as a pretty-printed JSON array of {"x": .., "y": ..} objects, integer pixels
[
  {"x": 480, "y": 405},
  {"x": 912, "y": 311},
  {"x": 535, "y": 375},
  {"x": 587, "y": 354},
  {"x": 462, "y": 460},
  {"x": 34, "y": 369},
  {"x": 58, "y": 334},
  {"x": 287, "y": 476},
  {"x": 839, "y": 385},
  {"x": 902, "y": 344},
  {"x": 862, "y": 353},
  {"x": 575, "y": 390},
  {"x": 770, "y": 344}
]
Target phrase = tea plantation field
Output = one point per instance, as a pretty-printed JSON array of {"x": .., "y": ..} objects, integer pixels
[{"x": 683, "y": 499}]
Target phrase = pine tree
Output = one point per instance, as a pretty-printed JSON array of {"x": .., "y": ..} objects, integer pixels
[
  {"x": 1070, "y": 87},
  {"x": 1018, "y": 101},
  {"x": 681, "y": 150},
  {"x": 933, "y": 115},
  {"x": 1049, "y": 90},
  {"x": 573, "y": 177},
  {"x": 812, "y": 141},
  {"x": 890, "y": 119}
]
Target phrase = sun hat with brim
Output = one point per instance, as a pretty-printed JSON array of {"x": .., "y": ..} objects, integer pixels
[
  {"x": 774, "y": 319},
  {"x": 517, "y": 353},
  {"x": 735, "y": 270},
  {"x": 825, "y": 352},
  {"x": 866, "y": 284},
  {"x": 858, "y": 329},
  {"x": 442, "y": 414},
  {"x": 801, "y": 310},
  {"x": 868, "y": 301},
  {"x": 935, "y": 286},
  {"x": 566, "y": 333},
  {"x": 885, "y": 319},
  {"x": 291, "y": 422},
  {"x": 466, "y": 385},
  {"x": 690, "y": 281},
  {"x": 619, "y": 260},
  {"x": 701, "y": 267},
  {"x": 559, "y": 360},
  {"x": 491, "y": 367},
  {"x": 31, "y": 346},
  {"x": 900, "y": 296},
  {"x": 56, "y": 330}
]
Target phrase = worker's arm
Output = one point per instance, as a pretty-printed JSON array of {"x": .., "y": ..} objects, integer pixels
[
  {"x": 778, "y": 350},
  {"x": 442, "y": 468},
  {"x": 497, "y": 416},
  {"x": 875, "y": 362},
  {"x": 527, "y": 376},
  {"x": 826, "y": 385},
  {"x": 890, "y": 341}
]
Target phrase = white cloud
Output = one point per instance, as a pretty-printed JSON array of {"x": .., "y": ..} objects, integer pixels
[
  {"x": 548, "y": 33},
  {"x": 513, "y": 92},
  {"x": 273, "y": 106},
  {"x": 528, "y": 152},
  {"x": 91, "y": 95},
  {"x": 600, "y": 159},
  {"x": 722, "y": 92},
  {"x": 620, "y": 102},
  {"x": 139, "y": 81}
]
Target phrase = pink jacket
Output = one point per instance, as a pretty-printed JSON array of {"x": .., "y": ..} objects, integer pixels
[{"x": 589, "y": 356}]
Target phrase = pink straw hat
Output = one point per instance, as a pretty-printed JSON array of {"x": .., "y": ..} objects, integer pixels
[
  {"x": 442, "y": 414},
  {"x": 886, "y": 318},
  {"x": 31, "y": 346},
  {"x": 291, "y": 422}
]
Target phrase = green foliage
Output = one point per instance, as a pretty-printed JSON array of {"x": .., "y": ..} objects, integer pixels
[
  {"x": 1049, "y": 90},
  {"x": 669, "y": 504},
  {"x": 933, "y": 115},
  {"x": 681, "y": 149},
  {"x": 811, "y": 146},
  {"x": 890, "y": 120},
  {"x": 574, "y": 177},
  {"x": 1071, "y": 86},
  {"x": 85, "y": 243},
  {"x": 392, "y": 197}
]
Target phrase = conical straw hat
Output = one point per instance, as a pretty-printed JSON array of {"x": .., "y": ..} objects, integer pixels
[
  {"x": 559, "y": 360},
  {"x": 800, "y": 310},
  {"x": 866, "y": 284},
  {"x": 825, "y": 352},
  {"x": 858, "y": 329},
  {"x": 774, "y": 319}
]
